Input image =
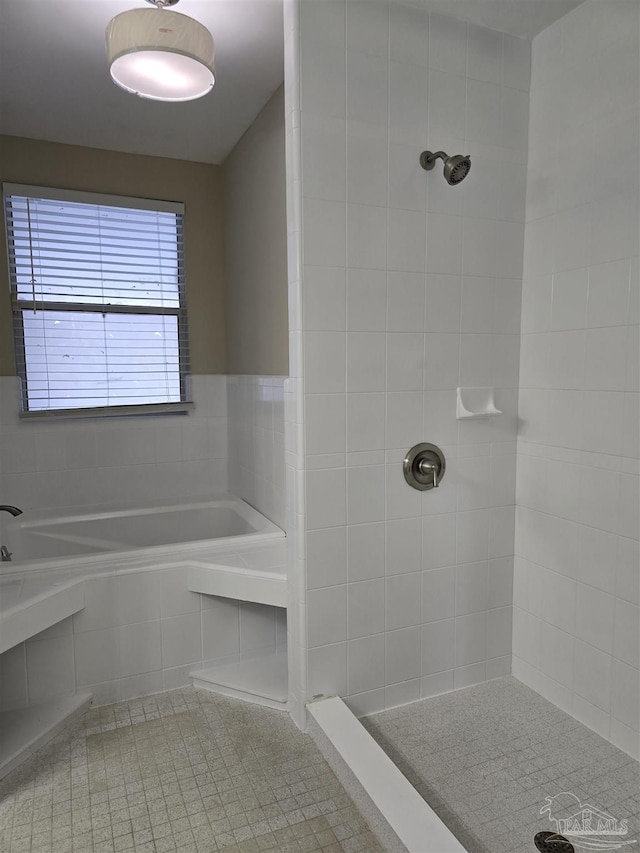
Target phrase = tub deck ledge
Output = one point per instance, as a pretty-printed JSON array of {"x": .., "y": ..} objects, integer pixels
[
  {"x": 29, "y": 605},
  {"x": 247, "y": 574}
]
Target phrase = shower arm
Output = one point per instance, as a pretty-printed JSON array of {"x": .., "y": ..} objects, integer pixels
[
  {"x": 428, "y": 159},
  {"x": 12, "y": 510}
]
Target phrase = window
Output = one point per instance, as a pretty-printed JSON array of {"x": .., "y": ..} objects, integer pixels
[{"x": 97, "y": 286}]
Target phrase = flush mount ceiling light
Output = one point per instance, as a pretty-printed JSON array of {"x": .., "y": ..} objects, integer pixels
[{"x": 159, "y": 54}]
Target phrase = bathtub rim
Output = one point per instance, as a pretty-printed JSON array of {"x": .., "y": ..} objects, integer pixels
[
  {"x": 140, "y": 556},
  {"x": 52, "y": 516}
]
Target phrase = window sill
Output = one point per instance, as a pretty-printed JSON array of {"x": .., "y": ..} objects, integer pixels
[{"x": 110, "y": 412}]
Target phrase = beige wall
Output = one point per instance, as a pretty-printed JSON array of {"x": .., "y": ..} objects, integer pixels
[
  {"x": 198, "y": 185},
  {"x": 256, "y": 247}
]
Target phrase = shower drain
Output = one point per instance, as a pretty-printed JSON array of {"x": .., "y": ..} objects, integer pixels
[{"x": 551, "y": 842}]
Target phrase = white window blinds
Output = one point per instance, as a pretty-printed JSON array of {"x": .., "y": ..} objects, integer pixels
[{"x": 97, "y": 286}]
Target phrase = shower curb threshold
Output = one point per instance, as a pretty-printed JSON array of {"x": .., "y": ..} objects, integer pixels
[{"x": 396, "y": 812}]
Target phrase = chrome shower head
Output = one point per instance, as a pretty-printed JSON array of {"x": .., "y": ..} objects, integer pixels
[{"x": 456, "y": 167}]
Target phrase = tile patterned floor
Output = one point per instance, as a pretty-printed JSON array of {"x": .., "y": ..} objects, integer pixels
[
  {"x": 485, "y": 759},
  {"x": 185, "y": 771}
]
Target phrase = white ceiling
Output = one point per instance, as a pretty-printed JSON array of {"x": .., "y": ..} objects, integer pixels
[
  {"x": 55, "y": 85},
  {"x": 524, "y": 18},
  {"x": 54, "y": 82}
]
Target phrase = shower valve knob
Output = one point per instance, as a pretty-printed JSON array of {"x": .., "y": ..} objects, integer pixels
[
  {"x": 424, "y": 466},
  {"x": 429, "y": 469}
]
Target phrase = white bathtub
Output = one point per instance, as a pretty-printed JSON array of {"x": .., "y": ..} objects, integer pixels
[{"x": 37, "y": 539}]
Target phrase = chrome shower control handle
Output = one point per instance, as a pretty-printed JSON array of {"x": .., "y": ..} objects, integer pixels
[
  {"x": 429, "y": 469},
  {"x": 424, "y": 466}
]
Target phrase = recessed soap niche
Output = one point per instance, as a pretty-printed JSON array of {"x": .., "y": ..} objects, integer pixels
[{"x": 476, "y": 403}]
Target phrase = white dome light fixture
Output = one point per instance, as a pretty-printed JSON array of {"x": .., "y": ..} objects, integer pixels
[{"x": 161, "y": 55}]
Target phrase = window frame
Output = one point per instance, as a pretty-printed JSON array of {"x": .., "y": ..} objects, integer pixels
[{"x": 20, "y": 304}]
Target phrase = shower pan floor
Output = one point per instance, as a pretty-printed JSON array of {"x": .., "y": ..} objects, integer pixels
[
  {"x": 184, "y": 771},
  {"x": 486, "y": 758}
]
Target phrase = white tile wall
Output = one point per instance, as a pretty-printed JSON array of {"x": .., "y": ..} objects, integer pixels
[
  {"x": 577, "y": 573},
  {"x": 139, "y": 632},
  {"x": 144, "y": 631},
  {"x": 53, "y": 464},
  {"x": 401, "y": 288},
  {"x": 255, "y": 407}
]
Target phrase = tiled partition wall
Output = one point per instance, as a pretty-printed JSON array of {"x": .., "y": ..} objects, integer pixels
[
  {"x": 577, "y": 573},
  {"x": 139, "y": 633},
  {"x": 402, "y": 288},
  {"x": 51, "y": 464},
  {"x": 255, "y": 407}
]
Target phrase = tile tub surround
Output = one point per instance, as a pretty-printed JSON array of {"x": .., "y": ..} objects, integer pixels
[
  {"x": 486, "y": 758},
  {"x": 139, "y": 632},
  {"x": 577, "y": 574},
  {"x": 401, "y": 289},
  {"x": 95, "y": 461},
  {"x": 181, "y": 771},
  {"x": 255, "y": 409}
]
